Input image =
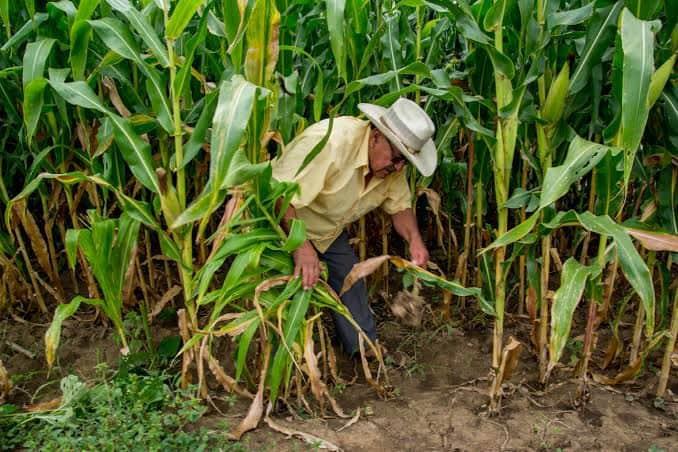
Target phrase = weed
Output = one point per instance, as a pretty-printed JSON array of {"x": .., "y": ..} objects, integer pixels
[{"x": 129, "y": 412}]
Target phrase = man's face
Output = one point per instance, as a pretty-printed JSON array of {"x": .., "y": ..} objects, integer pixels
[{"x": 384, "y": 158}]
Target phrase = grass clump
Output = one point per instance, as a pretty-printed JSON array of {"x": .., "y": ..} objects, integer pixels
[{"x": 129, "y": 412}]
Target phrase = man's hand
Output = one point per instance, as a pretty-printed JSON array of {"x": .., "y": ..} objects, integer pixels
[
  {"x": 419, "y": 253},
  {"x": 307, "y": 265}
]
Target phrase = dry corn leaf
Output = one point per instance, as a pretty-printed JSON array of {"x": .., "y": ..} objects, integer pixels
[
  {"x": 114, "y": 96},
  {"x": 226, "y": 380},
  {"x": 38, "y": 244},
  {"x": 318, "y": 386},
  {"x": 509, "y": 358},
  {"x": 166, "y": 298},
  {"x": 625, "y": 375},
  {"x": 44, "y": 406},
  {"x": 361, "y": 270},
  {"x": 655, "y": 241},
  {"x": 187, "y": 356},
  {"x": 433, "y": 199},
  {"x": 5, "y": 383},
  {"x": 315, "y": 441},
  {"x": 256, "y": 410},
  {"x": 352, "y": 421}
]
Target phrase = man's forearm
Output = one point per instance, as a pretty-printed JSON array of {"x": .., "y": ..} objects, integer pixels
[{"x": 405, "y": 224}]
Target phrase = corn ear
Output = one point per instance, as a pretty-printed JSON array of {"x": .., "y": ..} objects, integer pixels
[
  {"x": 555, "y": 100},
  {"x": 659, "y": 79}
]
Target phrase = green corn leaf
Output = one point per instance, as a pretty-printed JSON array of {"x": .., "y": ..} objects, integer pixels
[
  {"x": 135, "y": 151},
  {"x": 500, "y": 61},
  {"x": 81, "y": 34},
  {"x": 71, "y": 245},
  {"x": 65, "y": 6},
  {"x": 144, "y": 29},
  {"x": 33, "y": 101},
  {"x": 53, "y": 333},
  {"x": 335, "y": 25},
  {"x": 317, "y": 148},
  {"x": 600, "y": 35},
  {"x": 572, "y": 283},
  {"x": 234, "y": 107},
  {"x": 117, "y": 37},
  {"x": 195, "y": 142},
  {"x": 139, "y": 210},
  {"x": 86, "y": 9},
  {"x": 241, "y": 170},
  {"x": 181, "y": 16},
  {"x": 232, "y": 18},
  {"x": 202, "y": 207},
  {"x": 515, "y": 234},
  {"x": 295, "y": 315},
  {"x": 495, "y": 15},
  {"x": 637, "y": 42},
  {"x": 155, "y": 87},
  {"x": 121, "y": 256},
  {"x": 659, "y": 79},
  {"x": 646, "y": 9},
  {"x": 582, "y": 157},
  {"x": 244, "y": 346},
  {"x": 215, "y": 26},
  {"x": 184, "y": 74},
  {"x": 571, "y": 17},
  {"x": 24, "y": 32},
  {"x": 4, "y": 16},
  {"x": 632, "y": 264},
  {"x": 296, "y": 237},
  {"x": 35, "y": 59},
  {"x": 262, "y": 42},
  {"x": 80, "y": 94}
]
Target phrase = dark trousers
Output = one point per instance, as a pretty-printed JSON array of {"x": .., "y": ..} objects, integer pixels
[{"x": 340, "y": 258}]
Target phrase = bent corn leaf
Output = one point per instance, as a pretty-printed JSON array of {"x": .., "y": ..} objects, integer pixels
[{"x": 573, "y": 281}]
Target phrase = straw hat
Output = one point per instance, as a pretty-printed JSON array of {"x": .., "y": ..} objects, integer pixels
[{"x": 409, "y": 128}]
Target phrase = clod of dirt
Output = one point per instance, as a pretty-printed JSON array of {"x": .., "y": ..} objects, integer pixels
[{"x": 408, "y": 308}]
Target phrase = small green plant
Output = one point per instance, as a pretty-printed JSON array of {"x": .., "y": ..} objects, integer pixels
[
  {"x": 574, "y": 347},
  {"x": 129, "y": 412}
]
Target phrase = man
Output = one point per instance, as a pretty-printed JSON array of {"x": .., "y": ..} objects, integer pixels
[{"x": 361, "y": 167}]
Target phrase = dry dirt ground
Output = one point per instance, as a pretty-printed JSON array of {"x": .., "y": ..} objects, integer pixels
[{"x": 439, "y": 404}]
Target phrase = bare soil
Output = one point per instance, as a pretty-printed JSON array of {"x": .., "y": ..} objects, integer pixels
[{"x": 440, "y": 399}]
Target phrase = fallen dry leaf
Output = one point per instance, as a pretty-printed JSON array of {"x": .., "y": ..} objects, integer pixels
[
  {"x": 315, "y": 441},
  {"x": 44, "y": 406},
  {"x": 408, "y": 308},
  {"x": 352, "y": 421}
]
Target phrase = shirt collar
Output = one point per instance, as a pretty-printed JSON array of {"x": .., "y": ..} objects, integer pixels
[{"x": 363, "y": 160}]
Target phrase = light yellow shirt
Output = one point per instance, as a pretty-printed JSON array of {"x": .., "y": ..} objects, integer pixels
[{"x": 333, "y": 190}]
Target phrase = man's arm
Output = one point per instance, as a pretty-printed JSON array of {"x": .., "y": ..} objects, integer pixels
[
  {"x": 306, "y": 262},
  {"x": 405, "y": 223}
]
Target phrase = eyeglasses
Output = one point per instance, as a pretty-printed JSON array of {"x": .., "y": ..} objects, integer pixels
[{"x": 392, "y": 167}]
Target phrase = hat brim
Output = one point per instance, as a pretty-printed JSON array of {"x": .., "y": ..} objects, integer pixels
[{"x": 425, "y": 160}]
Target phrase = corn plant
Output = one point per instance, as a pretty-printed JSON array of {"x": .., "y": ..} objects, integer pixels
[{"x": 109, "y": 246}]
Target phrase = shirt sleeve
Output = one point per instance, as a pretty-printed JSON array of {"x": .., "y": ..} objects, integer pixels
[
  {"x": 398, "y": 196},
  {"x": 312, "y": 179}
]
